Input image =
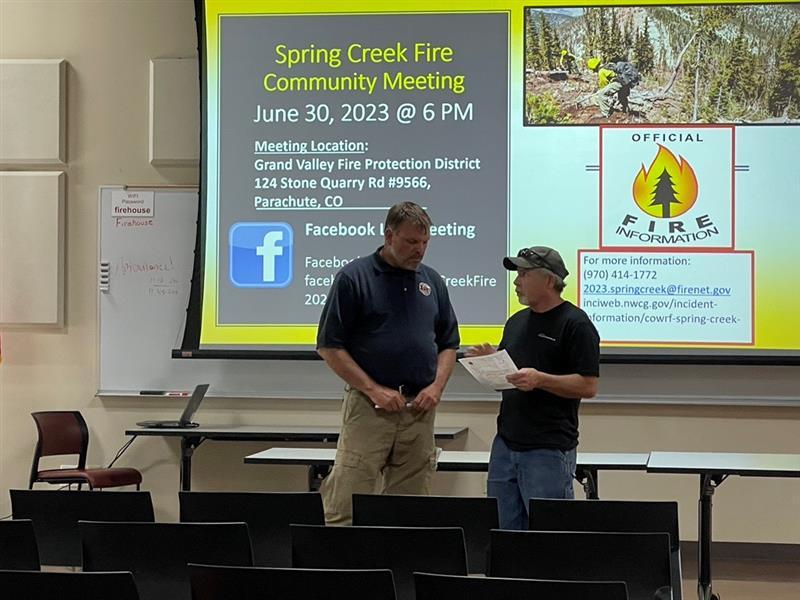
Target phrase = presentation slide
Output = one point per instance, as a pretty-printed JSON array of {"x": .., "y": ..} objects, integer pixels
[{"x": 654, "y": 146}]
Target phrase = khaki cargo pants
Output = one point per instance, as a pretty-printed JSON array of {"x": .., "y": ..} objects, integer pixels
[{"x": 398, "y": 445}]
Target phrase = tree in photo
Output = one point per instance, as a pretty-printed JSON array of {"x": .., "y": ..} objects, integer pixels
[
  {"x": 542, "y": 47},
  {"x": 615, "y": 50},
  {"x": 703, "y": 55},
  {"x": 643, "y": 52},
  {"x": 784, "y": 96},
  {"x": 549, "y": 48},
  {"x": 734, "y": 87},
  {"x": 531, "y": 41},
  {"x": 628, "y": 37},
  {"x": 591, "y": 31}
]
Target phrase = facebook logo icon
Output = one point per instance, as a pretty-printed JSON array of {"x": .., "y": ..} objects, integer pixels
[{"x": 261, "y": 254}]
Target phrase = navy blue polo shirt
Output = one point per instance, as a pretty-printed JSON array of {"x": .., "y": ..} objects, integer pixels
[{"x": 393, "y": 322}]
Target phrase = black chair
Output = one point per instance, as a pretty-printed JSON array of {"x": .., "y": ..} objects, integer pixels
[
  {"x": 68, "y": 586},
  {"x": 613, "y": 515},
  {"x": 476, "y": 516},
  {"x": 401, "y": 549},
  {"x": 55, "y": 515},
  {"x": 158, "y": 553},
  {"x": 267, "y": 515},
  {"x": 63, "y": 432},
  {"x": 453, "y": 587},
  {"x": 261, "y": 583},
  {"x": 641, "y": 560},
  {"x": 18, "y": 550}
]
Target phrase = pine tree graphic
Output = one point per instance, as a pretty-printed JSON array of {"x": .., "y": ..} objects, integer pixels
[{"x": 664, "y": 194}]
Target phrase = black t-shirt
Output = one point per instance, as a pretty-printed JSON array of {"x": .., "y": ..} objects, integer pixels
[
  {"x": 561, "y": 341},
  {"x": 393, "y": 322}
]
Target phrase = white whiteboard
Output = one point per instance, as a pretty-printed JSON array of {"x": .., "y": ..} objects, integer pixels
[{"x": 148, "y": 264}]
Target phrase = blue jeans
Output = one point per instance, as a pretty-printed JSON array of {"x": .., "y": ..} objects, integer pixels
[{"x": 515, "y": 477}]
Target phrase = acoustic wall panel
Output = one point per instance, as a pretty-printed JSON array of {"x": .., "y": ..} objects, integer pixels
[
  {"x": 32, "y": 248},
  {"x": 33, "y": 112},
  {"x": 174, "y": 112}
]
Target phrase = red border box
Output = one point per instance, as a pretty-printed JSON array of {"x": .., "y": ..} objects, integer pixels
[
  {"x": 733, "y": 186},
  {"x": 618, "y": 343}
]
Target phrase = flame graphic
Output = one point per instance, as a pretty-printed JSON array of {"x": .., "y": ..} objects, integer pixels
[{"x": 668, "y": 188}]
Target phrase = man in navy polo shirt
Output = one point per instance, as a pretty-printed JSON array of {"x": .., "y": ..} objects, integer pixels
[
  {"x": 557, "y": 350},
  {"x": 389, "y": 331}
]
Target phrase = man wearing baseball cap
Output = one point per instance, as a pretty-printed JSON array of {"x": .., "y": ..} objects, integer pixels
[{"x": 557, "y": 351}]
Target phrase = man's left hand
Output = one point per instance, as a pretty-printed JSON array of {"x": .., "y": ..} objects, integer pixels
[
  {"x": 526, "y": 379},
  {"x": 428, "y": 398}
]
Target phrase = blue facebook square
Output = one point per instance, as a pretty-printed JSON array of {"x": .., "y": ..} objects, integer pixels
[{"x": 261, "y": 254}]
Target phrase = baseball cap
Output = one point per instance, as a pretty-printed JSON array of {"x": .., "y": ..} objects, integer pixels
[{"x": 537, "y": 257}]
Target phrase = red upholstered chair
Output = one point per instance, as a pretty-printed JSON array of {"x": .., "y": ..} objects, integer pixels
[{"x": 65, "y": 432}]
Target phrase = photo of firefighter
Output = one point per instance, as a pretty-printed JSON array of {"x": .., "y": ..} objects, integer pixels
[{"x": 663, "y": 64}]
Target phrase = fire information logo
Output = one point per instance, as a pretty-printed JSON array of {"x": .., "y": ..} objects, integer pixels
[
  {"x": 668, "y": 188},
  {"x": 682, "y": 191}
]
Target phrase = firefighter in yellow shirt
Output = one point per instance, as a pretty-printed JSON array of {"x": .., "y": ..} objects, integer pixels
[
  {"x": 609, "y": 85},
  {"x": 567, "y": 61}
]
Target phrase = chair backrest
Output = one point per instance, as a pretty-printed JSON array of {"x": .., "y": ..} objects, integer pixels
[
  {"x": 158, "y": 553},
  {"x": 641, "y": 560},
  {"x": 48, "y": 585},
  {"x": 60, "y": 432},
  {"x": 259, "y": 583},
  {"x": 401, "y": 549},
  {"x": 476, "y": 516},
  {"x": 55, "y": 515},
  {"x": 613, "y": 515},
  {"x": 18, "y": 548},
  {"x": 267, "y": 515},
  {"x": 452, "y": 587},
  {"x": 606, "y": 515}
]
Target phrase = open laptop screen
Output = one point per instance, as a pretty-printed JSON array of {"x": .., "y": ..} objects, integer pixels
[
  {"x": 186, "y": 418},
  {"x": 194, "y": 403}
]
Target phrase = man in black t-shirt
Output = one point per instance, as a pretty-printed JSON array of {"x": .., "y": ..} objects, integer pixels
[
  {"x": 389, "y": 331},
  {"x": 557, "y": 350}
]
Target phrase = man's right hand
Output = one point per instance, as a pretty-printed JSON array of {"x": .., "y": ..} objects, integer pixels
[
  {"x": 387, "y": 399},
  {"x": 480, "y": 350}
]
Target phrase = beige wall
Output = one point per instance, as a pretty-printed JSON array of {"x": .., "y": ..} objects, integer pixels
[{"x": 108, "y": 45}]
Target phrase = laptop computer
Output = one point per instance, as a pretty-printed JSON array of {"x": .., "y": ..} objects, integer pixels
[{"x": 188, "y": 412}]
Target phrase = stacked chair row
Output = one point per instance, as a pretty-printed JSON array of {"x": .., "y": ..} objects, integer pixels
[{"x": 618, "y": 549}]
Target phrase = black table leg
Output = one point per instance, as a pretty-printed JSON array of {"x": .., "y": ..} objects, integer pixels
[
  {"x": 587, "y": 477},
  {"x": 316, "y": 473},
  {"x": 188, "y": 445},
  {"x": 708, "y": 482}
]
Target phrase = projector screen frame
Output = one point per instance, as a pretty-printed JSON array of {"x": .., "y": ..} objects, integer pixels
[{"x": 190, "y": 346}]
